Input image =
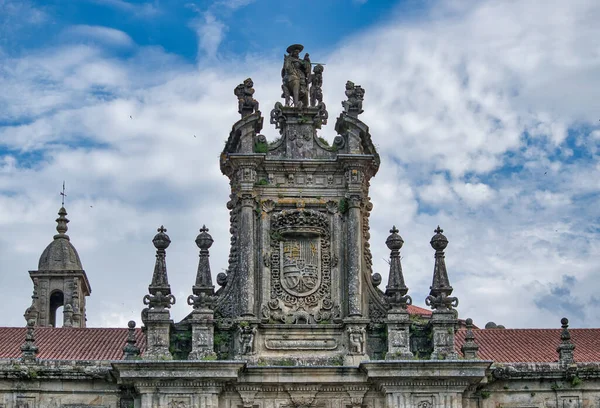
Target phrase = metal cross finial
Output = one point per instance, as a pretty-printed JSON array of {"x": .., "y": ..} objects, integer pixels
[
  {"x": 62, "y": 193},
  {"x": 394, "y": 230},
  {"x": 438, "y": 230},
  {"x": 203, "y": 229},
  {"x": 162, "y": 229}
]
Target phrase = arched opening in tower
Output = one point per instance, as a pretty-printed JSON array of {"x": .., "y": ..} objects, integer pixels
[{"x": 57, "y": 299}]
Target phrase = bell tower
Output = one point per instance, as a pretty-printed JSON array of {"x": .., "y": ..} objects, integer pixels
[{"x": 59, "y": 281}]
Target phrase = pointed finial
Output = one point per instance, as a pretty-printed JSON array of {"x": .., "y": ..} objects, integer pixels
[
  {"x": 62, "y": 222},
  {"x": 470, "y": 348},
  {"x": 440, "y": 289},
  {"x": 29, "y": 350},
  {"x": 131, "y": 351},
  {"x": 396, "y": 290},
  {"x": 565, "y": 349}
]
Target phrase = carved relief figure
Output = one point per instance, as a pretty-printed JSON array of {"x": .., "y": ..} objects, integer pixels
[
  {"x": 246, "y": 339},
  {"x": 295, "y": 74},
  {"x": 356, "y": 339},
  {"x": 316, "y": 84},
  {"x": 246, "y": 102}
]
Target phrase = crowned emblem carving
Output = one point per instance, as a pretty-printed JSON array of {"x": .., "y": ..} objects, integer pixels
[{"x": 300, "y": 268}]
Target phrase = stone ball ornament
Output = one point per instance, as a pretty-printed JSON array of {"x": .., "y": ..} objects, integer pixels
[
  {"x": 204, "y": 240},
  {"x": 439, "y": 242},
  {"x": 161, "y": 240},
  {"x": 131, "y": 324},
  {"x": 394, "y": 241}
]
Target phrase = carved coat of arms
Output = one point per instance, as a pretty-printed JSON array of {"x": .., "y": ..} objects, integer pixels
[{"x": 301, "y": 270}]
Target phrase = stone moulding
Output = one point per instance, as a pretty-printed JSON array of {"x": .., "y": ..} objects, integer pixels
[{"x": 300, "y": 343}]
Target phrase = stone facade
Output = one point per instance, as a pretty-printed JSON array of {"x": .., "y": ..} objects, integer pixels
[{"x": 298, "y": 320}]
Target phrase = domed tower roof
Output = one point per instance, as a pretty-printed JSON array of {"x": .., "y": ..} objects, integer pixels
[
  {"x": 59, "y": 281},
  {"x": 60, "y": 254}
]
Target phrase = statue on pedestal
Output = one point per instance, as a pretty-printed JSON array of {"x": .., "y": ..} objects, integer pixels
[{"x": 295, "y": 75}]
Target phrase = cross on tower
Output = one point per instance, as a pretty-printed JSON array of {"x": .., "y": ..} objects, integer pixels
[{"x": 62, "y": 193}]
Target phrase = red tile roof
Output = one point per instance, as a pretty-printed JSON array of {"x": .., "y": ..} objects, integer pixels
[
  {"x": 69, "y": 343},
  {"x": 416, "y": 310},
  {"x": 531, "y": 345}
]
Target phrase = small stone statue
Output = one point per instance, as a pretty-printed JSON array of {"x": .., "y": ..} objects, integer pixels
[
  {"x": 247, "y": 339},
  {"x": 316, "y": 84},
  {"x": 295, "y": 76},
  {"x": 357, "y": 340},
  {"x": 355, "y": 95},
  {"x": 247, "y": 105}
]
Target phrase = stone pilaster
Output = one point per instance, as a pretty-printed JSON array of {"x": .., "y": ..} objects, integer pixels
[
  {"x": 354, "y": 248},
  {"x": 247, "y": 245}
]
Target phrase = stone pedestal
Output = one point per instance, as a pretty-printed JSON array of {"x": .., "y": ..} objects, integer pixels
[
  {"x": 442, "y": 326},
  {"x": 202, "y": 336},
  {"x": 398, "y": 331},
  {"x": 158, "y": 323}
]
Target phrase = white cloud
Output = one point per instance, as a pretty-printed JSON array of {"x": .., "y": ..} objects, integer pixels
[
  {"x": 144, "y": 9},
  {"x": 210, "y": 33},
  {"x": 105, "y": 35},
  {"x": 447, "y": 101}
]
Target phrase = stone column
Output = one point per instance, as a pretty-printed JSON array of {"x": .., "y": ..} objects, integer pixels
[
  {"x": 354, "y": 250},
  {"x": 247, "y": 247}
]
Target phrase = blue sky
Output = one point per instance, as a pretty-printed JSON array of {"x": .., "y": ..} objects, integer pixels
[{"x": 486, "y": 115}]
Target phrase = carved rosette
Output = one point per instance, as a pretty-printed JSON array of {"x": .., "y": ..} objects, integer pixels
[{"x": 300, "y": 265}]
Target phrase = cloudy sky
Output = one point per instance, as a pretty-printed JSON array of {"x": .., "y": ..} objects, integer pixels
[{"x": 486, "y": 114}]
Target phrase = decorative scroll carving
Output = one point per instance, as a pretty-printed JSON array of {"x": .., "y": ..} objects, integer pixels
[{"x": 226, "y": 307}]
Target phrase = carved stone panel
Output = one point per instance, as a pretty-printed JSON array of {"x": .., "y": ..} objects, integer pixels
[{"x": 300, "y": 264}]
